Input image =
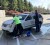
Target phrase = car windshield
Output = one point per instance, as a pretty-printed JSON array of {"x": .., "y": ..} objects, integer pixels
[{"x": 21, "y": 17}]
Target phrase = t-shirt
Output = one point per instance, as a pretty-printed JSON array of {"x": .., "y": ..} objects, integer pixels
[{"x": 16, "y": 20}]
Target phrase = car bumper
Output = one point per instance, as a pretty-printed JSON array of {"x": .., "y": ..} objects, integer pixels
[{"x": 6, "y": 29}]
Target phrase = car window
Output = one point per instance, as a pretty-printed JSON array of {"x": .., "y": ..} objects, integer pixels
[
  {"x": 28, "y": 18},
  {"x": 33, "y": 17},
  {"x": 40, "y": 16},
  {"x": 21, "y": 17}
]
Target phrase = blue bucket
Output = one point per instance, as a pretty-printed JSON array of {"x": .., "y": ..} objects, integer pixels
[{"x": 28, "y": 33}]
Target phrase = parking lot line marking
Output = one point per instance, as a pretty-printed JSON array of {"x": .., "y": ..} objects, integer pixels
[
  {"x": 44, "y": 29},
  {"x": 33, "y": 36},
  {"x": 18, "y": 43}
]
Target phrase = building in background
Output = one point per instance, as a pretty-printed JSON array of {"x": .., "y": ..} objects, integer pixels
[{"x": 2, "y": 16}]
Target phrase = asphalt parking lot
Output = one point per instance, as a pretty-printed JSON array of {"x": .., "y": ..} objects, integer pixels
[{"x": 41, "y": 38}]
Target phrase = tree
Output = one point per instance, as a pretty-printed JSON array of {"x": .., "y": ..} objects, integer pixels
[
  {"x": 10, "y": 4},
  {"x": 20, "y": 5},
  {"x": 26, "y": 5},
  {"x": 4, "y": 4},
  {"x": 30, "y": 7},
  {"x": 0, "y": 2},
  {"x": 14, "y": 5}
]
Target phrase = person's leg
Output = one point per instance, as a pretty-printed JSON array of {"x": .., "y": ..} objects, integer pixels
[
  {"x": 15, "y": 31},
  {"x": 20, "y": 29},
  {"x": 37, "y": 28}
]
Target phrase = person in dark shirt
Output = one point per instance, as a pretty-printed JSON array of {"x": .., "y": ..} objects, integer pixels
[{"x": 37, "y": 21}]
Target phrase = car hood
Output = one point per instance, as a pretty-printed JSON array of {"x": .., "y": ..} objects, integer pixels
[{"x": 10, "y": 21}]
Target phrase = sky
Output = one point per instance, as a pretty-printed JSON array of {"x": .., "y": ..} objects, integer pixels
[{"x": 42, "y": 3}]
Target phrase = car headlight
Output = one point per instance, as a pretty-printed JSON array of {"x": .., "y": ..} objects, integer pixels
[{"x": 4, "y": 25}]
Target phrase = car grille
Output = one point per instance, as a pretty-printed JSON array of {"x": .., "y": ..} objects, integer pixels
[{"x": 4, "y": 25}]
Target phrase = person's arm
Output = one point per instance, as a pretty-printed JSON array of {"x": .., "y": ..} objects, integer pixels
[{"x": 13, "y": 20}]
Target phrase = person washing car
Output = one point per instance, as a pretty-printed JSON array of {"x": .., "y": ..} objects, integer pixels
[
  {"x": 18, "y": 27},
  {"x": 37, "y": 21}
]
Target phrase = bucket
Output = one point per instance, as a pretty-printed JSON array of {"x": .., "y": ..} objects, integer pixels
[{"x": 28, "y": 33}]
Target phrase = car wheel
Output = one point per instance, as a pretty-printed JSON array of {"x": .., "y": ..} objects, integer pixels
[{"x": 4, "y": 33}]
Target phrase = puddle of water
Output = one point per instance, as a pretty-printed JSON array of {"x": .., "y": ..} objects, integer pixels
[{"x": 44, "y": 29}]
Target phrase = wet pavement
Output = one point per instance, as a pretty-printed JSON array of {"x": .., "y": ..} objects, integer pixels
[{"x": 41, "y": 38}]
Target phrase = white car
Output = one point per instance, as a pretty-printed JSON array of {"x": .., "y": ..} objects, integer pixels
[{"x": 27, "y": 21}]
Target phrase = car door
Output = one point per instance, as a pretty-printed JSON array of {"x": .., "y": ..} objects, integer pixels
[
  {"x": 40, "y": 18},
  {"x": 27, "y": 22},
  {"x": 33, "y": 21}
]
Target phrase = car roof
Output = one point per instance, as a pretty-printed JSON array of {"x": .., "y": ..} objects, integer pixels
[
  {"x": 26, "y": 14},
  {"x": 23, "y": 14}
]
